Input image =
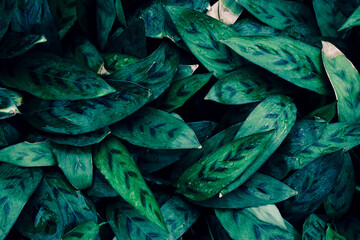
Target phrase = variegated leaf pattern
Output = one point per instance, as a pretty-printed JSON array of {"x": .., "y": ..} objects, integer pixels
[
  {"x": 344, "y": 78},
  {"x": 202, "y": 34},
  {"x": 281, "y": 14},
  {"x": 85, "y": 231},
  {"x": 64, "y": 13},
  {"x": 83, "y": 116},
  {"x": 259, "y": 190},
  {"x": 215, "y": 171},
  {"x": 353, "y": 20},
  {"x": 75, "y": 207},
  {"x": 181, "y": 90},
  {"x": 15, "y": 44},
  {"x": 15, "y": 96},
  {"x": 27, "y": 154},
  {"x": 154, "y": 72},
  {"x": 292, "y": 60},
  {"x": 58, "y": 78},
  {"x": 264, "y": 222},
  {"x": 48, "y": 222},
  {"x": 156, "y": 129},
  {"x": 246, "y": 85},
  {"x": 17, "y": 185},
  {"x": 7, "y": 8},
  {"x": 116, "y": 164},
  {"x": 105, "y": 18},
  {"x": 76, "y": 164},
  {"x": 251, "y": 27},
  {"x": 338, "y": 202},
  {"x": 276, "y": 112},
  {"x": 8, "y": 106},
  {"x": 314, "y": 228},
  {"x": 313, "y": 182}
]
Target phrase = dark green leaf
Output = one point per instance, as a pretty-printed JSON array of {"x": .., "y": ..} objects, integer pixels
[
  {"x": 17, "y": 185},
  {"x": 202, "y": 129},
  {"x": 331, "y": 234},
  {"x": 349, "y": 226},
  {"x": 105, "y": 18},
  {"x": 313, "y": 228},
  {"x": 116, "y": 61},
  {"x": 353, "y": 20},
  {"x": 85, "y": 231},
  {"x": 115, "y": 163},
  {"x": 156, "y": 129},
  {"x": 154, "y": 20},
  {"x": 100, "y": 187},
  {"x": 292, "y": 60},
  {"x": 64, "y": 13},
  {"x": 7, "y": 8},
  {"x": 120, "y": 16},
  {"x": 326, "y": 112}
]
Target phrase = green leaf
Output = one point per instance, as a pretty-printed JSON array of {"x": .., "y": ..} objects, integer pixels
[
  {"x": 331, "y": 234},
  {"x": 338, "y": 201},
  {"x": 184, "y": 71},
  {"x": 313, "y": 182},
  {"x": 64, "y": 13},
  {"x": 27, "y": 154},
  {"x": 246, "y": 85},
  {"x": 81, "y": 140},
  {"x": 83, "y": 116},
  {"x": 41, "y": 217},
  {"x": 154, "y": 72},
  {"x": 115, "y": 163},
  {"x": 100, "y": 187},
  {"x": 105, "y": 18},
  {"x": 352, "y": 21},
  {"x": 349, "y": 226},
  {"x": 218, "y": 169},
  {"x": 116, "y": 61},
  {"x": 85, "y": 231},
  {"x": 281, "y": 14},
  {"x": 201, "y": 34},
  {"x": 59, "y": 78},
  {"x": 8, "y": 107},
  {"x": 202, "y": 129},
  {"x": 181, "y": 90},
  {"x": 7, "y": 8},
  {"x": 344, "y": 78},
  {"x": 120, "y": 16},
  {"x": 259, "y": 190},
  {"x": 326, "y": 112},
  {"x": 313, "y": 228},
  {"x": 156, "y": 129},
  {"x": 263, "y": 222},
  {"x": 155, "y": 20},
  {"x": 17, "y": 185},
  {"x": 76, "y": 163},
  {"x": 75, "y": 207},
  {"x": 292, "y": 60},
  {"x": 251, "y": 27},
  {"x": 15, "y": 44}
]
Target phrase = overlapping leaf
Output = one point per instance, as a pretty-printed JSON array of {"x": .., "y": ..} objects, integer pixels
[
  {"x": 184, "y": 71},
  {"x": 85, "y": 231},
  {"x": 101, "y": 187},
  {"x": 326, "y": 112}
]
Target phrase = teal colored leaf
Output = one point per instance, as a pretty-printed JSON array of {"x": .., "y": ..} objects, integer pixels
[
  {"x": 263, "y": 222},
  {"x": 292, "y": 60},
  {"x": 41, "y": 217},
  {"x": 353, "y": 20},
  {"x": 202, "y": 129},
  {"x": 313, "y": 183},
  {"x": 85, "y": 231},
  {"x": 181, "y": 90},
  {"x": 246, "y": 85},
  {"x": 101, "y": 187},
  {"x": 76, "y": 164},
  {"x": 344, "y": 78},
  {"x": 116, "y": 61},
  {"x": 215, "y": 171},
  {"x": 259, "y": 190},
  {"x": 314, "y": 228},
  {"x": 201, "y": 34},
  {"x": 155, "y": 129},
  {"x": 81, "y": 140},
  {"x": 15, "y": 44},
  {"x": 251, "y": 27},
  {"x": 59, "y": 79},
  {"x": 338, "y": 202},
  {"x": 184, "y": 71},
  {"x": 7, "y": 8},
  {"x": 331, "y": 234},
  {"x": 281, "y": 14},
  {"x": 65, "y": 15},
  {"x": 27, "y": 154},
  {"x": 115, "y": 163},
  {"x": 105, "y": 18},
  {"x": 8, "y": 107},
  {"x": 326, "y": 112},
  {"x": 120, "y": 16},
  {"x": 83, "y": 116},
  {"x": 276, "y": 112},
  {"x": 9, "y": 135},
  {"x": 153, "y": 72},
  {"x": 154, "y": 20},
  {"x": 75, "y": 207},
  {"x": 17, "y": 185},
  {"x": 198, "y": 5}
]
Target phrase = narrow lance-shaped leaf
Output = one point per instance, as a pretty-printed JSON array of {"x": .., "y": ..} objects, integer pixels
[
  {"x": 64, "y": 13},
  {"x": 292, "y": 60},
  {"x": 120, "y": 16},
  {"x": 264, "y": 222},
  {"x": 58, "y": 78},
  {"x": 83, "y": 116},
  {"x": 246, "y": 85},
  {"x": 345, "y": 80},
  {"x": 313, "y": 228},
  {"x": 353, "y": 20},
  {"x": 17, "y": 185},
  {"x": 27, "y": 154},
  {"x": 115, "y": 163},
  {"x": 85, "y": 231},
  {"x": 76, "y": 163},
  {"x": 218, "y": 169},
  {"x": 259, "y": 190},
  {"x": 156, "y": 129},
  {"x": 201, "y": 34}
]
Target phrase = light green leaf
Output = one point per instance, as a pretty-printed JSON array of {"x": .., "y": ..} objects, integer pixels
[
  {"x": 115, "y": 163},
  {"x": 292, "y": 60},
  {"x": 353, "y": 20},
  {"x": 85, "y": 231},
  {"x": 331, "y": 234}
]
